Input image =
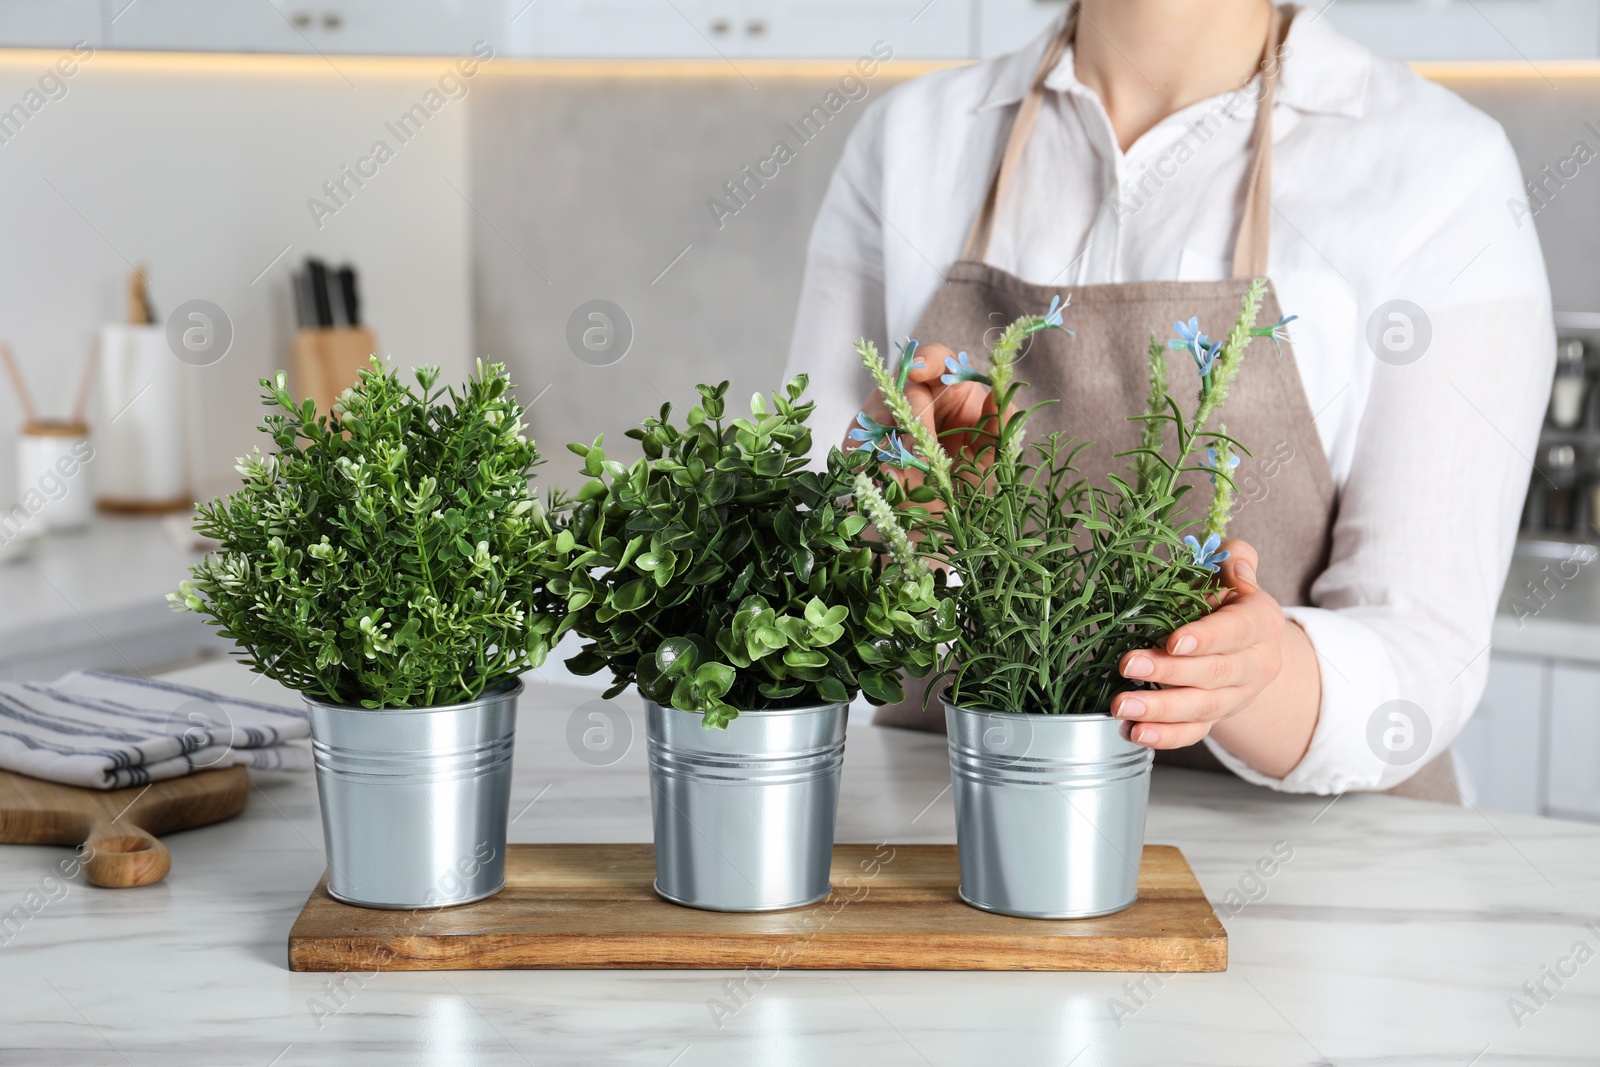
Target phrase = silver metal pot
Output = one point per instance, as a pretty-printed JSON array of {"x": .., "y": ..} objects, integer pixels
[
  {"x": 744, "y": 816},
  {"x": 1049, "y": 811},
  {"x": 415, "y": 800}
]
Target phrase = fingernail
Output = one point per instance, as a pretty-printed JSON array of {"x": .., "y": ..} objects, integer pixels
[
  {"x": 1184, "y": 645},
  {"x": 1247, "y": 572},
  {"x": 1132, "y": 708},
  {"x": 1138, "y": 667},
  {"x": 1146, "y": 735}
]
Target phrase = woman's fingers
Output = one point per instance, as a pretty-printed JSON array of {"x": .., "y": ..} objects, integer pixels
[
  {"x": 1206, "y": 672},
  {"x": 1169, "y": 734},
  {"x": 1207, "y": 669},
  {"x": 1240, "y": 623},
  {"x": 1239, "y": 569},
  {"x": 1183, "y": 704},
  {"x": 931, "y": 358}
]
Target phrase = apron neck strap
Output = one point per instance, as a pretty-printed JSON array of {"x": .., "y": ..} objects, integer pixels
[{"x": 1255, "y": 226}]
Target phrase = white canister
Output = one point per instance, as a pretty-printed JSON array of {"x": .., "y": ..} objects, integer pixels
[
  {"x": 53, "y": 480},
  {"x": 141, "y": 430}
]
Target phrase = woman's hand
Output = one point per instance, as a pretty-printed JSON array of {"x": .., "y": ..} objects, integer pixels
[
  {"x": 1242, "y": 673},
  {"x": 941, "y": 407}
]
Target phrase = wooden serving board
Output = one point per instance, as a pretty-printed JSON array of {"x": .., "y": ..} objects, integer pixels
[
  {"x": 118, "y": 826},
  {"x": 894, "y": 907}
]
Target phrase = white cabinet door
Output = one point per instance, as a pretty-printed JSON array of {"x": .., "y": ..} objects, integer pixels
[
  {"x": 1502, "y": 744},
  {"x": 50, "y": 23},
  {"x": 679, "y": 29},
  {"x": 737, "y": 29},
  {"x": 1573, "y": 788},
  {"x": 1518, "y": 30},
  {"x": 1006, "y": 25},
  {"x": 845, "y": 29},
  {"x": 210, "y": 26},
  {"x": 332, "y": 27}
]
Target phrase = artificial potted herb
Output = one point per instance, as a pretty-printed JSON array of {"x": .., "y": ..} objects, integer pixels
[
  {"x": 729, "y": 584},
  {"x": 389, "y": 562},
  {"x": 1060, "y": 576}
]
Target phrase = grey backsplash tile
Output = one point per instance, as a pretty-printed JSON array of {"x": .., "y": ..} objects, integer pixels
[{"x": 589, "y": 188}]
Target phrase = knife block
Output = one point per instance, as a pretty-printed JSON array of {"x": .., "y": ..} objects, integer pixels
[{"x": 324, "y": 362}]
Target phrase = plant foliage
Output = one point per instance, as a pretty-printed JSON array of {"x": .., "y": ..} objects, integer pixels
[
  {"x": 718, "y": 574},
  {"x": 1060, "y": 576},
  {"x": 389, "y": 554}
]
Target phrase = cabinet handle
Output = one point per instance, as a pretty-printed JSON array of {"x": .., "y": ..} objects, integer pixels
[
  {"x": 755, "y": 27},
  {"x": 721, "y": 27},
  {"x": 332, "y": 20},
  {"x": 301, "y": 20}
]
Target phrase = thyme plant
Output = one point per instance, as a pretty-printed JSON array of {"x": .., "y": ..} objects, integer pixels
[
  {"x": 388, "y": 554},
  {"x": 718, "y": 574},
  {"x": 1060, "y": 576}
]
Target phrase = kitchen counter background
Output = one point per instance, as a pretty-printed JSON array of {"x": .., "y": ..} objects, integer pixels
[{"x": 548, "y": 185}]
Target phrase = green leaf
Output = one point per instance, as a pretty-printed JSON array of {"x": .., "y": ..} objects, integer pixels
[
  {"x": 633, "y": 596},
  {"x": 714, "y": 679},
  {"x": 676, "y": 656},
  {"x": 881, "y": 687},
  {"x": 832, "y": 690}
]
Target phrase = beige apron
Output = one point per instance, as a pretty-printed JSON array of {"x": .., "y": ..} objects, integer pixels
[{"x": 1097, "y": 376}]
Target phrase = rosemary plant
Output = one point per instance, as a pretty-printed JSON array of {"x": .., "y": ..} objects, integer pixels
[
  {"x": 718, "y": 574},
  {"x": 1060, "y": 576},
  {"x": 389, "y": 554}
]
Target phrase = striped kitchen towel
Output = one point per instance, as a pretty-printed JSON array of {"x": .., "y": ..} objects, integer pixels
[{"x": 104, "y": 731}]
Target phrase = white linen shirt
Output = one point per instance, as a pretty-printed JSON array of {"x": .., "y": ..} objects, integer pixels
[{"x": 1384, "y": 187}]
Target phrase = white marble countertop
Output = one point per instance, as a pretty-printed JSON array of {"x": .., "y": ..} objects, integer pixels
[
  {"x": 96, "y": 597},
  {"x": 1398, "y": 933}
]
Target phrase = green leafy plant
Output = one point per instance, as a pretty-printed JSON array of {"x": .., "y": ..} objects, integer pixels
[
  {"x": 718, "y": 574},
  {"x": 1060, "y": 575},
  {"x": 391, "y": 553}
]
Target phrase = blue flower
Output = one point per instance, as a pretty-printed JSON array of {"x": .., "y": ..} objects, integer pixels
[
  {"x": 1189, "y": 337},
  {"x": 1052, "y": 318},
  {"x": 869, "y": 430},
  {"x": 1201, "y": 348},
  {"x": 962, "y": 371},
  {"x": 1278, "y": 331},
  {"x": 1206, "y": 555},
  {"x": 1211, "y": 461},
  {"x": 898, "y": 455},
  {"x": 907, "y": 362}
]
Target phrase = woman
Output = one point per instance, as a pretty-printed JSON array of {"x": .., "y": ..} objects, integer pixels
[{"x": 1143, "y": 157}]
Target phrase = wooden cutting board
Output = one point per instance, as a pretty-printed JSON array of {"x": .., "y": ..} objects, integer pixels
[
  {"x": 118, "y": 826},
  {"x": 894, "y": 907}
]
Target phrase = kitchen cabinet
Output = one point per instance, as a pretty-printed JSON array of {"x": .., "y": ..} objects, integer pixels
[
  {"x": 50, "y": 23},
  {"x": 379, "y": 27},
  {"x": 1533, "y": 745},
  {"x": 1007, "y": 25},
  {"x": 1516, "y": 30},
  {"x": 678, "y": 29},
  {"x": 738, "y": 29},
  {"x": 1519, "y": 30},
  {"x": 1573, "y": 784},
  {"x": 1503, "y": 743}
]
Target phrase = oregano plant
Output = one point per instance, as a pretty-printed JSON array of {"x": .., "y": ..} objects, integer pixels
[
  {"x": 389, "y": 553},
  {"x": 720, "y": 575}
]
